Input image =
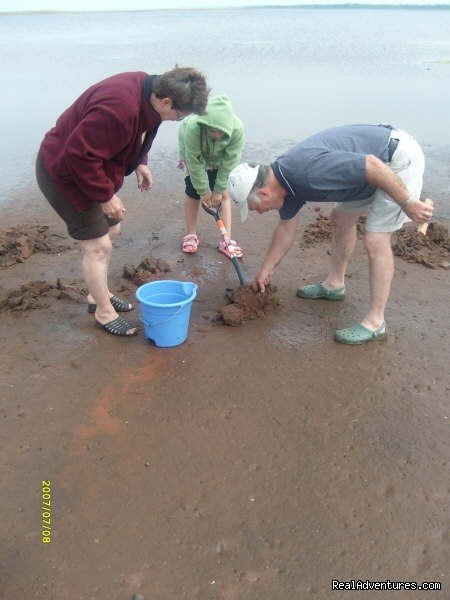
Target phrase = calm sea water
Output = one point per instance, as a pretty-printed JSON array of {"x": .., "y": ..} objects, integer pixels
[{"x": 289, "y": 72}]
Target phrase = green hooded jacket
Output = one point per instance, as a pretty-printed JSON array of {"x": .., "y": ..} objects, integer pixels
[{"x": 200, "y": 152}]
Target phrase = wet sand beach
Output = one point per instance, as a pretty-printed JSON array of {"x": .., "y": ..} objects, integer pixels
[
  {"x": 261, "y": 461},
  {"x": 258, "y": 462}
]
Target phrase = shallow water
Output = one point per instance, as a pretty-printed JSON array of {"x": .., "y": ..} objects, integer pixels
[{"x": 289, "y": 72}]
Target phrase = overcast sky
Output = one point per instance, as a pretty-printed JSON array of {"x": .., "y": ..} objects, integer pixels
[{"x": 32, "y": 5}]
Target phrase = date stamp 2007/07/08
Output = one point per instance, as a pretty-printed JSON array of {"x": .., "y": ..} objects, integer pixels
[{"x": 46, "y": 511}]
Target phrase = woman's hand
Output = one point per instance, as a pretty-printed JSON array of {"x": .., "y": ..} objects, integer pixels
[
  {"x": 144, "y": 178},
  {"x": 114, "y": 208}
]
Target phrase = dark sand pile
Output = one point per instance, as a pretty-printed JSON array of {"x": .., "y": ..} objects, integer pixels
[
  {"x": 19, "y": 243},
  {"x": 148, "y": 270},
  {"x": 318, "y": 232},
  {"x": 322, "y": 230},
  {"x": 361, "y": 226},
  {"x": 36, "y": 294},
  {"x": 245, "y": 304},
  {"x": 431, "y": 250}
]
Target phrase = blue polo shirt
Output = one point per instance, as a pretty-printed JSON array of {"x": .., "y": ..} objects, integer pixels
[{"x": 330, "y": 166}]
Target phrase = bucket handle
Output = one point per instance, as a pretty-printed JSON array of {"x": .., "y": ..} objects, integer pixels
[{"x": 180, "y": 308}]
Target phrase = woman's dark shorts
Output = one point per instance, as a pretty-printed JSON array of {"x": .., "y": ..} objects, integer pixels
[
  {"x": 88, "y": 225},
  {"x": 192, "y": 192}
]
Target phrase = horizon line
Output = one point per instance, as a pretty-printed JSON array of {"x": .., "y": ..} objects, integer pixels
[{"x": 322, "y": 5}]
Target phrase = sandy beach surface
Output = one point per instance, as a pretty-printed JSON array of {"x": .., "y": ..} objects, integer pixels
[
  {"x": 253, "y": 462},
  {"x": 258, "y": 462}
]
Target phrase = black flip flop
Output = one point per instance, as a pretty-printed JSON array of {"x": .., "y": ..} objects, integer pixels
[
  {"x": 117, "y": 327},
  {"x": 117, "y": 303}
]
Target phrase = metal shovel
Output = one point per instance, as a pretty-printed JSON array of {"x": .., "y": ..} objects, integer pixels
[{"x": 243, "y": 279}]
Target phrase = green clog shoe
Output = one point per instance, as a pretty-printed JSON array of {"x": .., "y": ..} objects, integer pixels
[
  {"x": 358, "y": 334},
  {"x": 318, "y": 290}
]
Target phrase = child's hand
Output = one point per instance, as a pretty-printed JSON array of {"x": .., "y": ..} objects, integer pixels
[
  {"x": 206, "y": 199},
  {"x": 216, "y": 199}
]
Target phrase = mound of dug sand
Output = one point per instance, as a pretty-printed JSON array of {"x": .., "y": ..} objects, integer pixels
[
  {"x": 19, "y": 243},
  {"x": 36, "y": 294},
  {"x": 148, "y": 270},
  {"x": 431, "y": 250},
  {"x": 318, "y": 232},
  {"x": 245, "y": 304},
  {"x": 321, "y": 230}
]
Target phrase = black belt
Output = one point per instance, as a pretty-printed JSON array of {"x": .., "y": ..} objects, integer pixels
[{"x": 392, "y": 147}]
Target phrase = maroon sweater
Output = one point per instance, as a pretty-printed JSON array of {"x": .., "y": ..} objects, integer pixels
[{"x": 98, "y": 140}]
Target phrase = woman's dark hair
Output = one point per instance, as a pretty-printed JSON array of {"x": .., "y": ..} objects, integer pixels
[{"x": 186, "y": 87}]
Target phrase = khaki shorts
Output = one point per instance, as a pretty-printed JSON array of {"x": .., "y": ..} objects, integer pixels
[{"x": 384, "y": 215}]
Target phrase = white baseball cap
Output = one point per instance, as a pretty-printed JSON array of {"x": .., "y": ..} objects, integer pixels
[{"x": 240, "y": 182}]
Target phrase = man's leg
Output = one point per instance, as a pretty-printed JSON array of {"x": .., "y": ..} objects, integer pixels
[
  {"x": 385, "y": 217},
  {"x": 342, "y": 246},
  {"x": 381, "y": 272}
]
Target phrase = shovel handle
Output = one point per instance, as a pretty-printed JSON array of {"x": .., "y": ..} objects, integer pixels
[
  {"x": 211, "y": 211},
  {"x": 240, "y": 273},
  {"x": 221, "y": 227},
  {"x": 243, "y": 279}
]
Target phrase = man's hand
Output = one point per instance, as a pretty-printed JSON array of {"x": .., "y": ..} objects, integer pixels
[
  {"x": 262, "y": 280},
  {"x": 418, "y": 211},
  {"x": 144, "y": 178},
  {"x": 114, "y": 208},
  {"x": 380, "y": 175},
  {"x": 282, "y": 240}
]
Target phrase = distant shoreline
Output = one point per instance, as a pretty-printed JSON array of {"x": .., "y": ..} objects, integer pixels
[{"x": 350, "y": 5}]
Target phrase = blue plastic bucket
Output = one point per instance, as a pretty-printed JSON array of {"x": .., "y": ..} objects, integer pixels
[{"x": 165, "y": 310}]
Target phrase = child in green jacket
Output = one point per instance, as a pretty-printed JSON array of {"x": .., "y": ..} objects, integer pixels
[{"x": 210, "y": 146}]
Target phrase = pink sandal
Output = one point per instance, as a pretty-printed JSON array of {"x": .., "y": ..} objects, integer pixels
[
  {"x": 237, "y": 250},
  {"x": 190, "y": 243}
]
